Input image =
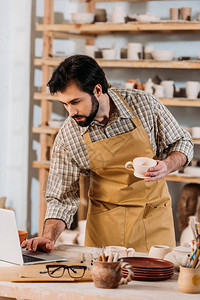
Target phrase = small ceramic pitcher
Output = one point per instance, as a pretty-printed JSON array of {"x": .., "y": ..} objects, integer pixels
[{"x": 109, "y": 275}]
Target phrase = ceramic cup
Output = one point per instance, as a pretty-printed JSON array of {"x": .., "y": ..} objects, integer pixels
[
  {"x": 159, "y": 91},
  {"x": 174, "y": 13},
  {"x": 109, "y": 53},
  {"x": 108, "y": 275},
  {"x": 147, "y": 52},
  {"x": 159, "y": 251},
  {"x": 90, "y": 50},
  {"x": 186, "y": 13},
  {"x": 189, "y": 280},
  {"x": 122, "y": 251},
  {"x": 22, "y": 235},
  {"x": 134, "y": 51},
  {"x": 192, "y": 89},
  {"x": 100, "y": 15},
  {"x": 195, "y": 132},
  {"x": 168, "y": 88},
  {"x": 140, "y": 165},
  {"x": 118, "y": 15}
]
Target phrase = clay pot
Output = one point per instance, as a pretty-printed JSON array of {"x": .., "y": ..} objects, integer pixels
[
  {"x": 189, "y": 280},
  {"x": 108, "y": 275},
  {"x": 22, "y": 235}
]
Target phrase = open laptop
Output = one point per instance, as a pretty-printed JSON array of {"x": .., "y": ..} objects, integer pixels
[{"x": 10, "y": 249}]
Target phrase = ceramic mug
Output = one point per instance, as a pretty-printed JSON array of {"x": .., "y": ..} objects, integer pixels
[
  {"x": 90, "y": 50},
  {"x": 134, "y": 51},
  {"x": 109, "y": 53},
  {"x": 140, "y": 165},
  {"x": 189, "y": 280},
  {"x": 186, "y": 13},
  {"x": 195, "y": 132},
  {"x": 192, "y": 89},
  {"x": 108, "y": 275},
  {"x": 159, "y": 251},
  {"x": 174, "y": 13},
  {"x": 123, "y": 251},
  {"x": 168, "y": 88}
]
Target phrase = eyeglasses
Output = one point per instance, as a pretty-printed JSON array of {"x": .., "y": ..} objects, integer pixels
[{"x": 57, "y": 271}]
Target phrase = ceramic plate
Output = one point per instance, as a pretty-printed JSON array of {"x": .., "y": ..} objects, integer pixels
[
  {"x": 138, "y": 175},
  {"x": 148, "y": 263}
]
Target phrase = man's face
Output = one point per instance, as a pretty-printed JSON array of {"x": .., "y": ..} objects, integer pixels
[{"x": 81, "y": 106}]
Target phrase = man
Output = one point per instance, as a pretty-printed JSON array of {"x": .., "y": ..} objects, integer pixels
[{"x": 105, "y": 129}]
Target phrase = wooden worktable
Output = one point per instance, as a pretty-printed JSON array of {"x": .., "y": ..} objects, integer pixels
[{"x": 135, "y": 290}]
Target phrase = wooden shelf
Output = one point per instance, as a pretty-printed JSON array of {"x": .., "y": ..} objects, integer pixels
[
  {"x": 166, "y": 101},
  {"x": 124, "y": 63},
  {"x": 41, "y": 164},
  {"x": 108, "y": 28},
  {"x": 130, "y": 0},
  {"x": 177, "y": 178},
  {"x": 180, "y": 102},
  {"x": 45, "y": 129}
]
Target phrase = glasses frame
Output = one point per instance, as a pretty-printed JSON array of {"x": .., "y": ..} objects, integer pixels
[{"x": 65, "y": 267}]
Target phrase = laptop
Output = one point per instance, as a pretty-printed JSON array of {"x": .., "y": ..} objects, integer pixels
[{"x": 10, "y": 249}]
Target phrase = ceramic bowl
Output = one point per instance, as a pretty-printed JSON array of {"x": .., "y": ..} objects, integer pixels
[
  {"x": 147, "y": 18},
  {"x": 109, "y": 53},
  {"x": 82, "y": 18},
  {"x": 162, "y": 54},
  {"x": 192, "y": 171}
]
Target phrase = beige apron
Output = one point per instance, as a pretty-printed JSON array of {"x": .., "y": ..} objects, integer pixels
[{"x": 124, "y": 210}]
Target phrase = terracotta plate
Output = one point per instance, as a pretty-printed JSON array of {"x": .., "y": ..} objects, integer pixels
[{"x": 148, "y": 263}]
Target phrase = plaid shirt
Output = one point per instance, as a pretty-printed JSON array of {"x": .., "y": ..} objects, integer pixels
[{"x": 70, "y": 157}]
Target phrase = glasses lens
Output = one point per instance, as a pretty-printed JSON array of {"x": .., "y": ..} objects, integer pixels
[
  {"x": 76, "y": 271},
  {"x": 56, "y": 272}
]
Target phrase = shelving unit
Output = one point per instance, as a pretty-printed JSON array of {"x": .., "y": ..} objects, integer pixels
[{"x": 89, "y": 32}]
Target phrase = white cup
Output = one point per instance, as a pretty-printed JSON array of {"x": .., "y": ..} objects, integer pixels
[
  {"x": 109, "y": 53},
  {"x": 118, "y": 15},
  {"x": 195, "y": 132},
  {"x": 168, "y": 88},
  {"x": 90, "y": 50},
  {"x": 140, "y": 165},
  {"x": 159, "y": 91},
  {"x": 123, "y": 251},
  {"x": 192, "y": 89},
  {"x": 133, "y": 51},
  {"x": 159, "y": 251}
]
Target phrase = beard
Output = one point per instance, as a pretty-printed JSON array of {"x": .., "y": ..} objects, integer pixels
[{"x": 92, "y": 115}]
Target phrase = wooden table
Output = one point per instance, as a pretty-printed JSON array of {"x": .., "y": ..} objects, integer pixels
[{"x": 135, "y": 290}]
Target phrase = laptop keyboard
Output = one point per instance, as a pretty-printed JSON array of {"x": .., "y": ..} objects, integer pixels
[{"x": 28, "y": 258}]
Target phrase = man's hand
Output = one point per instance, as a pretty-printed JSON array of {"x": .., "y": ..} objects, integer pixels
[
  {"x": 38, "y": 243},
  {"x": 158, "y": 172},
  {"x": 52, "y": 229},
  {"x": 170, "y": 164}
]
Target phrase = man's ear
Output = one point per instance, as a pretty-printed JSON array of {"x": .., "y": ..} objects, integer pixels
[{"x": 97, "y": 90}]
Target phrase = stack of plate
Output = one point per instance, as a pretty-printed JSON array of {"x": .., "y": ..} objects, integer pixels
[{"x": 149, "y": 269}]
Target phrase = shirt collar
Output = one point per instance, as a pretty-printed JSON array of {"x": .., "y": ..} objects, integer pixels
[{"x": 123, "y": 111}]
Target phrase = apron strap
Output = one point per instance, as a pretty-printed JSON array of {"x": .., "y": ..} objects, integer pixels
[{"x": 135, "y": 120}]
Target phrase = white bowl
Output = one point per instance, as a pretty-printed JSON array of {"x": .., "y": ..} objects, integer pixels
[
  {"x": 82, "y": 18},
  {"x": 192, "y": 171},
  {"x": 162, "y": 54},
  {"x": 147, "y": 18}
]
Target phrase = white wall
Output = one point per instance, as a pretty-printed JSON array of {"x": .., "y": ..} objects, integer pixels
[{"x": 15, "y": 19}]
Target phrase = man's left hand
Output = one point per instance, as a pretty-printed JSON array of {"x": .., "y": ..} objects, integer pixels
[{"x": 158, "y": 172}]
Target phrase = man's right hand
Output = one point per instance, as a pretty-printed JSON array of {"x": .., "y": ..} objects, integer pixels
[{"x": 38, "y": 243}]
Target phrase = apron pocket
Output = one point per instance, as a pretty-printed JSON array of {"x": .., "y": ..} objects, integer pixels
[
  {"x": 159, "y": 226},
  {"x": 106, "y": 228}
]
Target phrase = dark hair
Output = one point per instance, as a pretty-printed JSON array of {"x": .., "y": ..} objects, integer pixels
[{"x": 81, "y": 69}]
